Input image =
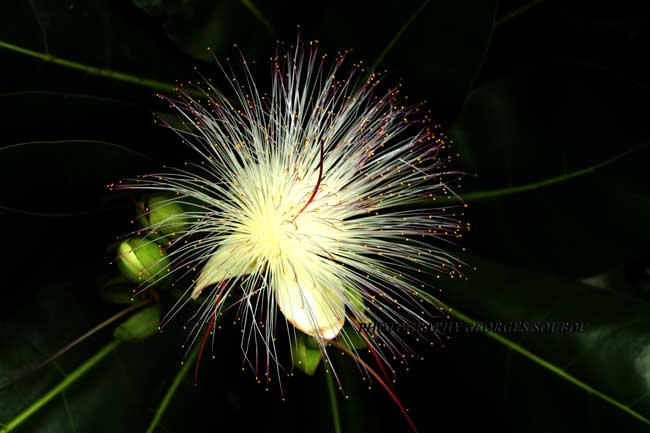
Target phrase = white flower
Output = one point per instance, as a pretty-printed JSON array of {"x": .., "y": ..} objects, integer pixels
[{"x": 303, "y": 199}]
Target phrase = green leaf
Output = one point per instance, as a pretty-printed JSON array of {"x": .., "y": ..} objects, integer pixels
[
  {"x": 163, "y": 7},
  {"x": 37, "y": 324},
  {"x": 472, "y": 196},
  {"x": 607, "y": 360},
  {"x": 105, "y": 119},
  {"x": 89, "y": 69},
  {"x": 203, "y": 28},
  {"x": 513, "y": 14},
  {"x": 59, "y": 388},
  {"x": 64, "y": 176},
  {"x": 549, "y": 125},
  {"x": 435, "y": 47},
  {"x": 27, "y": 340},
  {"x": 306, "y": 354},
  {"x": 95, "y": 38},
  {"x": 141, "y": 325}
]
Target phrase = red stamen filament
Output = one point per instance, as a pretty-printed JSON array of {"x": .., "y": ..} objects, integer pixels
[
  {"x": 203, "y": 341},
  {"x": 374, "y": 354},
  {"x": 378, "y": 378},
  {"x": 210, "y": 328},
  {"x": 313, "y": 194}
]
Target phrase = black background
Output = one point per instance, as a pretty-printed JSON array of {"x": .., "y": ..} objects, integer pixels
[{"x": 552, "y": 90}]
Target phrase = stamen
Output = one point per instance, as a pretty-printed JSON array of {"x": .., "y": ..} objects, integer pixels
[
  {"x": 313, "y": 194},
  {"x": 203, "y": 341},
  {"x": 378, "y": 378}
]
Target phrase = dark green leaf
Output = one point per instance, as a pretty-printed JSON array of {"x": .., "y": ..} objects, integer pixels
[
  {"x": 542, "y": 124},
  {"x": 94, "y": 38},
  {"x": 203, "y": 28},
  {"x": 64, "y": 176},
  {"x": 605, "y": 357},
  {"x": 436, "y": 47}
]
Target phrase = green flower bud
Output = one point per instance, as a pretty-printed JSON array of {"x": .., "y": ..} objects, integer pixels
[
  {"x": 140, "y": 259},
  {"x": 163, "y": 214}
]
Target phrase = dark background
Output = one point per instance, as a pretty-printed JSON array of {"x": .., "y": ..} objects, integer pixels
[{"x": 527, "y": 94}]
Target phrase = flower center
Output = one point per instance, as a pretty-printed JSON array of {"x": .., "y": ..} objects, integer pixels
[{"x": 270, "y": 233}]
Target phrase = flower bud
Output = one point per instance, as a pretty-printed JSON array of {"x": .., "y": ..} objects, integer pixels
[
  {"x": 140, "y": 260},
  {"x": 163, "y": 214}
]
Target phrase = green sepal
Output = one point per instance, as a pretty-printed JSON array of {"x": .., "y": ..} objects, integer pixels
[
  {"x": 306, "y": 354},
  {"x": 117, "y": 290}
]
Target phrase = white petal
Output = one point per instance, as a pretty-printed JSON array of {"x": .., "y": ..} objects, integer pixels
[
  {"x": 227, "y": 262},
  {"x": 315, "y": 309}
]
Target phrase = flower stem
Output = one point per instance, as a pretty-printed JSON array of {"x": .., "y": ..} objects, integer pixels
[
  {"x": 494, "y": 193},
  {"x": 162, "y": 407},
  {"x": 257, "y": 13},
  {"x": 93, "y": 70},
  {"x": 62, "y": 386},
  {"x": 398, "y": 35},
  {"x": 331, "y": 388}
]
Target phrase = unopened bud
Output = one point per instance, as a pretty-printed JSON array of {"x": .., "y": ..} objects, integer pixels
[
  {"x": 162, "y": 214},
  {"x": 140, "y": 260}
]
